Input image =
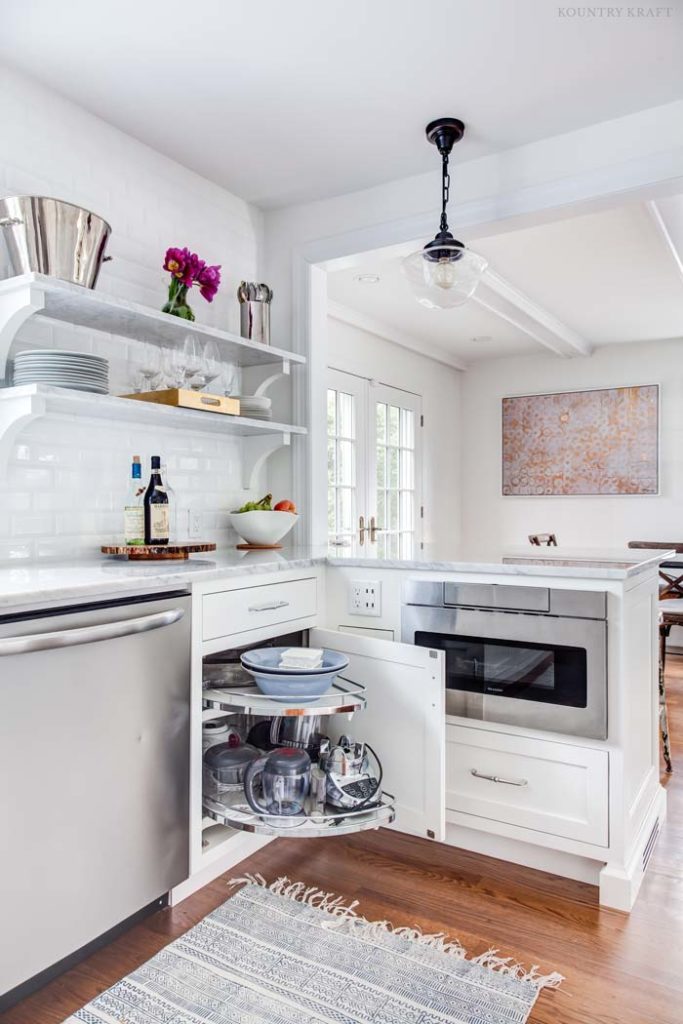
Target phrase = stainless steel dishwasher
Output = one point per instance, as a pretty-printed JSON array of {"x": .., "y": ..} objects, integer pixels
[{"x": 94, "y": 773}]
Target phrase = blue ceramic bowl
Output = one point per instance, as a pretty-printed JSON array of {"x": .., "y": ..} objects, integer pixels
[{"x": 292, "y": 684}]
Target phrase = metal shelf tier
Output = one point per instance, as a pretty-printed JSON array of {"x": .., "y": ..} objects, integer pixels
[
  {"x": 343, "y": 698},
  {"x": 238, "y": 815}
]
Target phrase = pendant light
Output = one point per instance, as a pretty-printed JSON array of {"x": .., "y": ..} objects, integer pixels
[{"x": 444, "y": 273}]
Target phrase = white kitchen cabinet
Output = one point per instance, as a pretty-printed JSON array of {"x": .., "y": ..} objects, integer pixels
[
  {"x": 557, "y": 788},
  {"x": 404, "y": 722}
]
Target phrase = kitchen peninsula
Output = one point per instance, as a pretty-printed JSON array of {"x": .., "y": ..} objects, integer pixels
[{"x": 586, "y": 806}]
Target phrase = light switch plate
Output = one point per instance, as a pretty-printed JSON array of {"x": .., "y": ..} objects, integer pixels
[{"x": 365, "y": 597}]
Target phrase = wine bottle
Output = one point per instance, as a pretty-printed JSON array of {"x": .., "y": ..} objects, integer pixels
[
  {"x": 133, "y": 512},
  {"x": 156, "y": 507}
]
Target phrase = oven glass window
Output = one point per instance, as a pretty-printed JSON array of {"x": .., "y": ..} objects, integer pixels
[{"x": 512, "y": 668}]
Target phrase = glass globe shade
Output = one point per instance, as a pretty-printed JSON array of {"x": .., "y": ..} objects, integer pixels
[{"x": 446, "y": 282}]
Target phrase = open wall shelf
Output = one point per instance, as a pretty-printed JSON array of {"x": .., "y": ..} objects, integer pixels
[
  {"x": 259, "y": 438},
  {"x": 37, "y": 295}
]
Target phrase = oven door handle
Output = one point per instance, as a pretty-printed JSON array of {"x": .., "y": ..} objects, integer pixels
[{"x": 498, "y": 778}]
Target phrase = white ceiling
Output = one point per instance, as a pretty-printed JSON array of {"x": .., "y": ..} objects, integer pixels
[
  {"x": 608, "y": 277},
  {"x": 291, "y": 101}
]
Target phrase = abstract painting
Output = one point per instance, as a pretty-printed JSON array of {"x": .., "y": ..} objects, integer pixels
[{"x": 582, "y": 442}]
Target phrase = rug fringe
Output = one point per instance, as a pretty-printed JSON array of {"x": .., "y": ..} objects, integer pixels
[{"x": 346, "y": 916}]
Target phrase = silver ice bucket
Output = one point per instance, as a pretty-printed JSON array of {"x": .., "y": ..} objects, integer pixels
[{"x": 48, "y": 236}]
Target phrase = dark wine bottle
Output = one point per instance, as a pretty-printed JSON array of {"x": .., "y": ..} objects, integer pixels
[{"x": 156, "y": 507}]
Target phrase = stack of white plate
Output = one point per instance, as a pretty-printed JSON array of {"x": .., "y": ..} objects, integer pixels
[
  {"x": 255, "y": 407},
  {"x": 77, "y": 370}
]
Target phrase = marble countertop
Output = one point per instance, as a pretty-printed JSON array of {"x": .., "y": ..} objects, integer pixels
[
  {"x": 568, "y": 563},
  {"x": 35, "y": 583},
  {"x": 31, "y": 585}
]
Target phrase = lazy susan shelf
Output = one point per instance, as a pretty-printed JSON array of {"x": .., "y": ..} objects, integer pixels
[
  {"x": 343, "y": 697},
  {"x": 234, "y": 811}
]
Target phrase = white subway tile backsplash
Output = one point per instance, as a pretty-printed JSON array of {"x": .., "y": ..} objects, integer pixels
[{"x": 66, "y": 478}]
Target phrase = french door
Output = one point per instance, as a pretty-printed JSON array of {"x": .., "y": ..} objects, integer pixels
[{"x": 373, "y": 467}]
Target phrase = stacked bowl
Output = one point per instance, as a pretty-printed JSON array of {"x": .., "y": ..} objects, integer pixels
[
  {"x": 299, "y": 684},
  {"x": 79, "y": 371}
]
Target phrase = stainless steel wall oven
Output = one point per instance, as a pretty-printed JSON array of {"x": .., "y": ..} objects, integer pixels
[{"x": 528, "y": 656}]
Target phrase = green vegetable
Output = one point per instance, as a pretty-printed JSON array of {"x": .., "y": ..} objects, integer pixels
[{"x": 264, "y": 505}]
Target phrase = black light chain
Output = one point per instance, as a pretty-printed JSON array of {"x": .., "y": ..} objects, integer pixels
[{"x": 445, "y": 189}]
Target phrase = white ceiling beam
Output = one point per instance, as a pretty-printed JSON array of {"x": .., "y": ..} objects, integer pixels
[
  {"x": 667, "y": 217},
  {"x": 498, "y": 296},
  {"x": 382, "y": 330}
]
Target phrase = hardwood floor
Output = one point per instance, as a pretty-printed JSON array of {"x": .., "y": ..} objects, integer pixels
[{"x": 620, "y": 969}]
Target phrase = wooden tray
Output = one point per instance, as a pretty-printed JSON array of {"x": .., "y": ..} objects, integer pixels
[
  {"x": 184, "y": 398},
  {"x": 156, "y": 552}
]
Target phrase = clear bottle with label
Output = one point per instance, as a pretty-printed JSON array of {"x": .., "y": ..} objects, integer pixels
[
  {"x": 172, "y": 507},
  {"x": 156, "y": 507},
  {"x": 133, "y": 512}
]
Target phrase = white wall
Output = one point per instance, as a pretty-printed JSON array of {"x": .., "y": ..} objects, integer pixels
[
  {"x": 66, "y": 480},
  {"x": 489, "y": 519},
  {"x": 368, "y": 355},
  {"x": 602, "y": 165}
]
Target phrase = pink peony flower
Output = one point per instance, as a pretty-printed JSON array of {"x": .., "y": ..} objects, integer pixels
[{"x": 208, "y": 280}]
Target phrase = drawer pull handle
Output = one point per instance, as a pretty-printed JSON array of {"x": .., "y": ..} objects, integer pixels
[
  {"x": 271, "y": 606},
  {"x": 498, "y": 778}
]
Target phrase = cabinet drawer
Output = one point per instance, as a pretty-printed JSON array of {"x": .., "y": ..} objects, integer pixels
[
  {"x": 549, "y": 787},
  {"x": 236, "y": 611}
]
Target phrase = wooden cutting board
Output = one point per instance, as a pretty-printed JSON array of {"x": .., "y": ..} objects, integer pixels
[{"x": 156, "y": 552}]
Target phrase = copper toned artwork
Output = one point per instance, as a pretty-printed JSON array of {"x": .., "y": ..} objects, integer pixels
[{"x": 582, "y": 442}]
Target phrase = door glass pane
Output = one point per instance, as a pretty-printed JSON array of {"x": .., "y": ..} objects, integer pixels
[
  {"x": 392, "y": 425},
  {"x": 395, "y": 495},
  {"x": 341, "y": 466},
  {"x": 381, "y": 466},
  {"x": 346, "y": 516},
  {"x": 392, "y": 468},
  {"x": 381, "y": 423},
  {"x": 347, "y": 419},
  {"x": 346, "y": 471}
]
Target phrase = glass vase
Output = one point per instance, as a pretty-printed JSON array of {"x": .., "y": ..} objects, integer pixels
[{"x": 177, "y": 304}]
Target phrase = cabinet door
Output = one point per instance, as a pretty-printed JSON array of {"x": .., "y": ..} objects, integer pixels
[{"x": 405, "y": 722}]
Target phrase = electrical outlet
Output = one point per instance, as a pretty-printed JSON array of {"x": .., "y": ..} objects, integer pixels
[
  {"x": 365, "y": 597},
  {"x": 195, "y": 525}
]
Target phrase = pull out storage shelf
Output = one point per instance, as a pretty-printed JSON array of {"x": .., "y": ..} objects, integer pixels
[
  {"x": 344, "y": 697},
  {"x": 235, "y": 812}
]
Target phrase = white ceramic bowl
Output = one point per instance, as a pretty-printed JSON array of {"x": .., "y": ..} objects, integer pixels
[{"x": 262, "y": 527}]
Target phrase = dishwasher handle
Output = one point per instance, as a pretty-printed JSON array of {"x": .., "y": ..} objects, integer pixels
[{"x": 88, "y": 634}]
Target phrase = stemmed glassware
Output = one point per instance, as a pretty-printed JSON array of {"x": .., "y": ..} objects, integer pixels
[{"x": 192, "y": 366}]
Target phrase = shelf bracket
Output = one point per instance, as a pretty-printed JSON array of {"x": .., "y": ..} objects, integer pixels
[
  {"x": 255, "y": 450},
  {"x": 256, "y": 384},
  {"x": 15, "y": 309},
  {"x": 15, "y": 412}
]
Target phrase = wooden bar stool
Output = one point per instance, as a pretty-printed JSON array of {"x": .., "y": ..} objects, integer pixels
[
  {"x": 670, "y": 573},
  {"x": 670, "y": 614}
]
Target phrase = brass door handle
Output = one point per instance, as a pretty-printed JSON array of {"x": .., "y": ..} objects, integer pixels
[
  {"x": 374, "y": 530},
  {"x": 361, "y": 530}
]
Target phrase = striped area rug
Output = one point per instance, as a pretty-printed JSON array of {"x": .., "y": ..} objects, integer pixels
[{"x": 287, "y": 954}]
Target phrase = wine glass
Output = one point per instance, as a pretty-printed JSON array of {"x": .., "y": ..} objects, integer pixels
[
  {"x": 192, "y": 353},
  {"x": 150, "y": 365},
  {"x": 228, "y": 377},
  {"x": 212, "y": 367}
]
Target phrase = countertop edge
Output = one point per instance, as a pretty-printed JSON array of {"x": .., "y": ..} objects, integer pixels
[{"x": 39, "y": 586}]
